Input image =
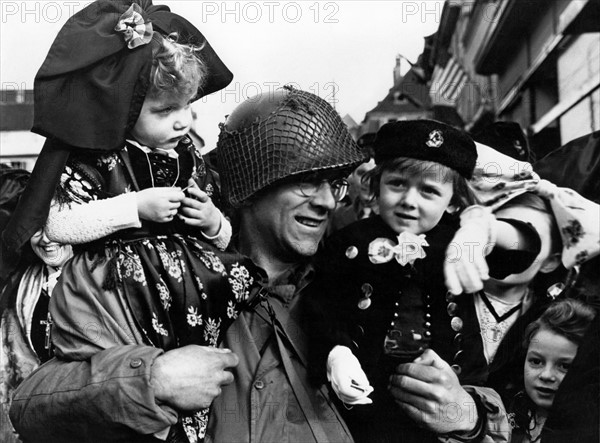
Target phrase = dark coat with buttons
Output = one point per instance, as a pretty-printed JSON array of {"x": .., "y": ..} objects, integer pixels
[
  {"x": 410, "y": 300},
  {"x": 407, "y": 303}
]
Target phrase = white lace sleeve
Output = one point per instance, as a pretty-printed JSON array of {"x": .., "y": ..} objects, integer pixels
[
  {"x": 84, "y": 218},
  {"x": 76, "y": 222}
]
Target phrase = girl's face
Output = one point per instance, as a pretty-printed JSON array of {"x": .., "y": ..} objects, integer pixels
[
  {"x": 414, "y": 200},
  {"x": 549, "y": 357},
  {"x": 164, "y": 120},
  {"x": 52, "y": 253}
]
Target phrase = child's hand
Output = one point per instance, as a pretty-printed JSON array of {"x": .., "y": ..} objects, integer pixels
[
  {"x": 159, "y": 204},
  {"x": 347, "y": 378},
  {"x": 200, "y": 211},
  {"x": 465, "y": 267}
]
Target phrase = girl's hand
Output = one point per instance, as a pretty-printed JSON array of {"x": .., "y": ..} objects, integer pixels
[
  {"x": 159, "y": 204},
  {"x": 199, "y": 210}
]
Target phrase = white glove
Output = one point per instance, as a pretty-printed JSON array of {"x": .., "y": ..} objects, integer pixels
[
  {"x": 347, "y": 377},
  {"x": 465, "y": 266}
]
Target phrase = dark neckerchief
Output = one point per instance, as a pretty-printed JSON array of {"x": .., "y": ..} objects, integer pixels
[{"x": 499, "y": 318}]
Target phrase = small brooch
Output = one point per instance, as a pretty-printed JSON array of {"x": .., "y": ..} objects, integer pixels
[
  {"x": 381, "y": 250},
  {"x": 435, "y": 139},
  {"x": 135, "y": 31},
  {"x": 407, "y": 251},
  {"x": 555, "y": 290}
]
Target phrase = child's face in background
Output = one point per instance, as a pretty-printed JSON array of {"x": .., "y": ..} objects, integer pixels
[
  {"x": 164, "y": 120},
  {"x": 414, "y": 199},
  {"x": 549, "y": 357}
]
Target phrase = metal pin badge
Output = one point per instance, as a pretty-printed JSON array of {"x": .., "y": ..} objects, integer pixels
[
  {"x": 352, "y": 252},
  {"x": 367, "y": 291},
  {"x": 452, "y": 309},
  {"x": 555, "y": 290},
  {"x": 364, "y": 303},
  {"x": 456, "y": 324},
  {"x": 416, "y": 336}
]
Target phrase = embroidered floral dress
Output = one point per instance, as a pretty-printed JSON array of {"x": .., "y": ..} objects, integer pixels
[{"x": 179, "y": 288}]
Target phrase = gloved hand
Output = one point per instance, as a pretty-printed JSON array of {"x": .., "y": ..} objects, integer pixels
[
  {"x": 465, "y": 266},
  {"x": 347, "y": 377}
]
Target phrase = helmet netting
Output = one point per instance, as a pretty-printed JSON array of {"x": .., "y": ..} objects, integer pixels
[{"x": 303, "y": 134}]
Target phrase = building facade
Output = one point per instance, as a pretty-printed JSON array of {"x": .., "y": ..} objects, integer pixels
[
  {"x": 530, "y": 61},
  {"x": 407, "y": 99},
  {"x": 19, "y": 147}
]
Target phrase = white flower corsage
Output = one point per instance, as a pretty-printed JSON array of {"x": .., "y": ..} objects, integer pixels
[
  {"x": 407, "y": 251},
  {"x": 381, "y": 250}
]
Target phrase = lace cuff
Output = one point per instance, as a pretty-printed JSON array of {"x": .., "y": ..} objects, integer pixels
[
  {"x": 78, "y": 223},
  {"x": 223, "y": 237}
]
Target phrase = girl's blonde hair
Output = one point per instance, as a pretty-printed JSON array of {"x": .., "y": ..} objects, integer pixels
[{"x": 176, "y": 67}]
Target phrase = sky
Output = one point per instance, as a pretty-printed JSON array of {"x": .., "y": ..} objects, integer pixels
[{"x": 343, "y": 51}]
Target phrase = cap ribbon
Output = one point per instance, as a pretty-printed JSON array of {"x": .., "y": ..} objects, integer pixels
[{"x": 135, "y": 30}]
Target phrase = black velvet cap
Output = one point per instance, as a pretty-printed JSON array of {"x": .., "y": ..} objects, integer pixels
[{"x": 427, "y": 140}]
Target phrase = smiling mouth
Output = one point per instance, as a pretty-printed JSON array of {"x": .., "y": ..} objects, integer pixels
[{"x": 310, "y": 222}]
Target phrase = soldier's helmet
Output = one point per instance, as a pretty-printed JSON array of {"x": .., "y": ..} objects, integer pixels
[{"x": 279, "y": 134}]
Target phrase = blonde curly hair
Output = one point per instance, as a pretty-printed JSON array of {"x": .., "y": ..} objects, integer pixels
[{"x": 176, "y": 67}]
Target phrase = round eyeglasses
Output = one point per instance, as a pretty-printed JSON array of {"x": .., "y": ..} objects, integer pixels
[{"x": 310, "y": 184}]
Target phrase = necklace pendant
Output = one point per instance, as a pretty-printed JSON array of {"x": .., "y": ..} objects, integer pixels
[
  {"x": 496, "y": 333},
  {"x": 48, "y": 324}
]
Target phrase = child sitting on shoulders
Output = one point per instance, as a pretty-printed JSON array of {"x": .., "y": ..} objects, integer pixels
[{"x": 141, "y": 215}]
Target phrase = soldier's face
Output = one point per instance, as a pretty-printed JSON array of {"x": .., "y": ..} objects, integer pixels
[{"x": 287, "y": 224}]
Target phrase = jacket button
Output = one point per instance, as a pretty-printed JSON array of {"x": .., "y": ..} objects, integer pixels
[
  {"x": 136, "y": 363},
  {"x": 259, "y": 384}
]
